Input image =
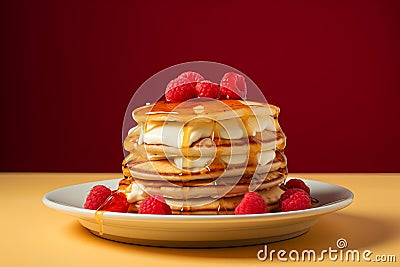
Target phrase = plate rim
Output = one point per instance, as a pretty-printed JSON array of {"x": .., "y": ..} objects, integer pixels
[{"x": 79, "y": 212}]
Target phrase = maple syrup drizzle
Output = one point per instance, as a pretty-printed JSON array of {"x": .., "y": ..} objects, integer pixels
[
  {"x": 98, "y": 215},
  {"x": 187, "y": 131}
]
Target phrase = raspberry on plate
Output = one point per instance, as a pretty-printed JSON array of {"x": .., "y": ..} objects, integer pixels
[
  {"x": 192, "y": 76},
  {"x": 96, "y": 197},
  {"x": 252, "y": 203},
  {"x": 297, "y": 183},
  {"x": 154, "y": 204},
  {"x": 296, "y": 199},
  {"x": 180, "y": 89},
  {"x": 207, "y": 89},
  {"x": 117, "y": 203},
  {"x": 233, "y": 86},
  {"x": 288, "y": 193}
]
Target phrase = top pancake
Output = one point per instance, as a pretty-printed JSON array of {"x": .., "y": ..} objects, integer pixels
[{"x": 203, "y": 108}]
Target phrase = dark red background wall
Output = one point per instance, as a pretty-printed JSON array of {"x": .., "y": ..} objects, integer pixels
[{"x": 69, "y": 69}]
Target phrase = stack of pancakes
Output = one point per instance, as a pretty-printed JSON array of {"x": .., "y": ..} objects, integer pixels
[{"x": 203, "y": 155}]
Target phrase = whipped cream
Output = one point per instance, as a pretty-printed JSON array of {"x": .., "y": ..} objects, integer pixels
[
  {"x": 172, "y": 133},
  {"x": 256, "y": 124},
  {"x": 188, "y": 163},
  {"x": 135, "y": 193},
  {"x": 234, "y": 159},
  {"x": 231, "y": 129},
  {"x": 262, "y": 157}
]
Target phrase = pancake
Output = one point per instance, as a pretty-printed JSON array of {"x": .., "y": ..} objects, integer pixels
[
  {"x": 209, "y": 147},
  {"x": 245, "y": 179},
  {"x": 224, "y": 205},
  {"x": 198, "y": 107},
  {"x": 270, "y": 196},
  {"x": 212, "y": 190},
  {"x": 272, "y": 176},
  {"x": 165, "y": 170}
]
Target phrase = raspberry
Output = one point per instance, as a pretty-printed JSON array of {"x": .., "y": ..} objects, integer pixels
[
  {"x": 288, "y": 193},
  {"x": 233, "y": 86},
  {"x": 117, "y": 203},
  {"x": 154, "y": 204},
  {"x": 192, "y": 76},
  {"x": 180, "y": 89},
  {"x": 297, "y": 183},
  {"x": 297, "y": 199},
  {"x": 207, "y": 89},
  {"x": 252, "y": 203},
  {"x": 96, "y": 197}
]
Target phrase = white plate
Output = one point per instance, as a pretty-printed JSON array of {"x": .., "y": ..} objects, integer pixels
[{"x": 198, "y": 230}]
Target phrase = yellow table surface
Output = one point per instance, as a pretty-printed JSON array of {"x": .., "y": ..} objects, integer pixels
[{"x": 34, "y": 235}]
